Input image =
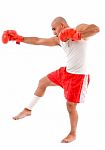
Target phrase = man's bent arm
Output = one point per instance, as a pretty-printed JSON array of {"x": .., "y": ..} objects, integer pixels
[{"x": 87, "y": 30}]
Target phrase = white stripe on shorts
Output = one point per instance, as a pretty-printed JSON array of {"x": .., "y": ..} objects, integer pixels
[{"x": 84, "y": 89}]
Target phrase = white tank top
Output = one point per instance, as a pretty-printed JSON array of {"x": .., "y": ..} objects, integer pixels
[{"x": 76, "y": 56}]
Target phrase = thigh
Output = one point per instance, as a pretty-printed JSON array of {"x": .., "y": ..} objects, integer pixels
[
  {"x": 57, "y": 76},
  {"x": 47, "y": 82}
]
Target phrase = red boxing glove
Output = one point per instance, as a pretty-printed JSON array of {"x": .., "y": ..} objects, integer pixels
[
  {"x": 5, "y": 37},
  {"x": 69, "y": 33},
  {"x": 11, "y": 35},
  {"x": 76, "y": 36}
]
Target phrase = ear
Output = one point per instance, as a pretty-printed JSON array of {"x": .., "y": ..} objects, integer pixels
[{"x": 62, "y": 26}]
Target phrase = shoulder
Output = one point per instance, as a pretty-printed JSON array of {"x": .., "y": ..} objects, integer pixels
[
  {"x": 81, "y": 27},
  {"x": 55, "y": 39}
]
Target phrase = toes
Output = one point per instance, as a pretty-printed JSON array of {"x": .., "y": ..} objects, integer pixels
[
  {"x": 21, "y": 115},
  {"x": 64, "y": 141},
  {"x": 68, "y": 139},
  {"x": 15, "y": 118}
]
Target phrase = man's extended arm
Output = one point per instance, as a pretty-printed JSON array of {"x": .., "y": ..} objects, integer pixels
[
  {"x": 53, "y": 41},
  {"x": 11, "y": 35}
]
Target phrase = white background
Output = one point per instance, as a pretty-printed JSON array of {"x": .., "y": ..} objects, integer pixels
[{"x": 21, "y": 67}]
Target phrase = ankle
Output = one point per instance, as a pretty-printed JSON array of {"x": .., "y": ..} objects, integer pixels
[
  {"x": 72, "y": 133},
  {"x": 26, "y": 109}
]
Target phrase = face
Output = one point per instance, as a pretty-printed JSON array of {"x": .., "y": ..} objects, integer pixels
[{"x": 56, "y": 28}]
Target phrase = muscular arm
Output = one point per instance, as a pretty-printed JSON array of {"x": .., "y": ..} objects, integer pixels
[
  {"x": 87, "y": 30},
  {"x": 53, "y": 41}
]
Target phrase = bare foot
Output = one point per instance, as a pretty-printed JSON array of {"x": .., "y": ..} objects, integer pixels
[
  {"x": 69, "y": 138},
  {"x": 26, "y": 112}
]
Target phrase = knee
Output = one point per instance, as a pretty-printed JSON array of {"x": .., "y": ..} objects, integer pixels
[
  {"x": 42, "y": 83},
  {"x": 71, "y": 107}
]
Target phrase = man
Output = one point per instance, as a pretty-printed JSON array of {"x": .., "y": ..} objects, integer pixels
[{"x": 73, "y": 78}]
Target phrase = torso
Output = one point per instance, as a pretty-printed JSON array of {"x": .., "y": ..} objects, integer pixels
[{"x": 76, "y": 56}]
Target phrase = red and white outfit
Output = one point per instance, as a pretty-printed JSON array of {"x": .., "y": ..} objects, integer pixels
[{"x": 73, "y": 78}]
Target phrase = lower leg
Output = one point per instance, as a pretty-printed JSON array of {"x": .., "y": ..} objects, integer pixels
[
  {"x": 37, "y": 95},
  {"x": 73, "y": 115},
  {"x": 27, "y": 110},
  {"x": 43, "y": 84}
]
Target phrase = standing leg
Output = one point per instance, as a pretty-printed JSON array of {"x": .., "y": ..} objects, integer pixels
[
  {"x": 73, "y": 115},
  {"x": 43, "y": 84}
]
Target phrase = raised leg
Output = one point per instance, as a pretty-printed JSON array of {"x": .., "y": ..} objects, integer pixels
[{"x": 43, "y": 84}]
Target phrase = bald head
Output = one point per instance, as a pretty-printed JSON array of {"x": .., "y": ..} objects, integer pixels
[
  {"x": 59, "y": 20},
  {"x": 58, "y": 24}
]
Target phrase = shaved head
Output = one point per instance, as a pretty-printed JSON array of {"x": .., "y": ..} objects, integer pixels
[
  {"x": 59, "y": 20},
  {"x": 58, "y": 24}
]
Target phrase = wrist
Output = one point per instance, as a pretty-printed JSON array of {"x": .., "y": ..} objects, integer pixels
[
  {"x": 76, "y": 36},
  {"x": 19, "y": 39}
]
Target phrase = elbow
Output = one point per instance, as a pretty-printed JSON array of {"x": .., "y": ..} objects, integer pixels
[{"x": 96, "y": 28}]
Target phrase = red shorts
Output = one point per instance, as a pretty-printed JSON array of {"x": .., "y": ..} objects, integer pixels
[{"x": 74, "y": 85}]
